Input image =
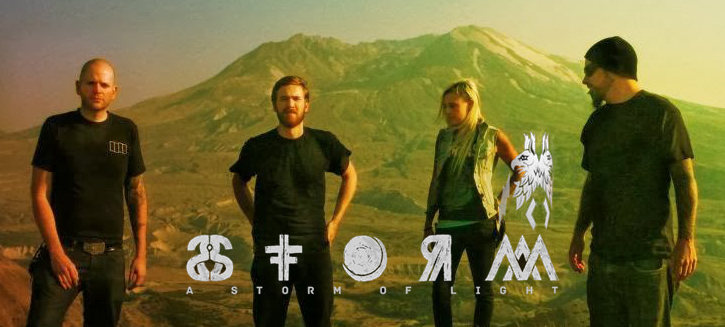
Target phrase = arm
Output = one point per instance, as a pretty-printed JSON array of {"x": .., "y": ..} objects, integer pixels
[
  {"x": 685, "y": 254},
  {"x": 40, "y": 189},
  {"x": 584, "y": 219},
  {"x": 344, "y": 197},
  {"x": 244, "y": 197},
  {"x": 432, "y": 205},
  {"x": 506, "y": 151},
  {"x": 137, "y": 211}
]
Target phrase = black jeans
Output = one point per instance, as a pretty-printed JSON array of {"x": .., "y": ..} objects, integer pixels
[
  {"x": 311, "y": 277},
  {"x": 632, "y": 293},
  {"x": 101, "y": 279},
  {"x": 480, "y": 245}
]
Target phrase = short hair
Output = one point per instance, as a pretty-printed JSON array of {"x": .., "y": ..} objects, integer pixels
[
  {"x": 290, "y": 80},
  {"x": 87, "y": 65}
]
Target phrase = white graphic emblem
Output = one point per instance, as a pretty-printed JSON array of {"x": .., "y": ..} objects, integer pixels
[
  {"x": 537, "y": 173},
  {"x": 365, "y": 258},
  {"x": 117, "y": 147},
  {"x": 209, "y": 247},
  {"x": 283, "y": 258}
]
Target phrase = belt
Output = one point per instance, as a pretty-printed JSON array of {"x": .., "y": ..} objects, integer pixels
[{"x": 92, "y": 247}]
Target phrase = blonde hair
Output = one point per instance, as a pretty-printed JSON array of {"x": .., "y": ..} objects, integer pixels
[{"x": 466, "y": 131}]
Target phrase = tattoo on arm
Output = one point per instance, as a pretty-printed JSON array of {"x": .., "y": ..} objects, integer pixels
[
  {"x": 683, "y": 178},
  {"x": 137, "y": 211},
  {"x": 586, "y": 202}
]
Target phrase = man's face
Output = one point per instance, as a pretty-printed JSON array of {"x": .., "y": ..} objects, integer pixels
[
  {"x": 291, "y": 105},
  {"x": 598, "y": 82},
  {"x": 97, "y": 87}
]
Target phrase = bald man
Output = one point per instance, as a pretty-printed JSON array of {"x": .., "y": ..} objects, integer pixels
[{"x": 84, "y": 162}]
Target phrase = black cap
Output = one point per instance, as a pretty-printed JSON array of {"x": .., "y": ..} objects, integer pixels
[{"x": 614, "y": 54}]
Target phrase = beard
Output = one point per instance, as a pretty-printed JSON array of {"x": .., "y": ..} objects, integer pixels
[
  {"x": 292, "y": 120},
  {"x": 597, "y": 99}
]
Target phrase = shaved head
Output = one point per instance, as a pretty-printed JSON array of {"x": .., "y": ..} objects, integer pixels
[
  {"x": 96, "y": 85},
  {"x": 97, "y": 62}
]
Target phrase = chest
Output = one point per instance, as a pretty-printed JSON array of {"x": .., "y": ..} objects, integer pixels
[
  {"x": 303, "y": 161},
  {"x": 98, "y": 151},
  {"x": 622, "y": 139}
]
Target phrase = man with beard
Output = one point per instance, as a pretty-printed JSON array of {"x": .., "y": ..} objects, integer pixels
[
  {"x": 84, "y": 161},
  {"x": 289, "y": 163},
  {"x": 635, "y": 142}
]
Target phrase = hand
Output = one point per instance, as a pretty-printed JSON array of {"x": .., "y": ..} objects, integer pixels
[
  {"x": 64, "y": 269},
  {"x": 575, "y": 254},
  {"x": 519, "y": 172},
  {"x": 684, "y": 258},
  {"x": 137, "y": 272},
  {"x": 331, "y": 230}
]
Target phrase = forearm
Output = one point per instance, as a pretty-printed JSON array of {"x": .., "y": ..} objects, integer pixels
[
  {"x": 244, "y": 198},
  {"x": 345, "y": 194},
  {"x": 138, "y": 213},
  {"x": 45, "y": 220},
  {"x": 687, "y": 211},
  {"x": 40, "y": 192},
  {"x": 586, "y": 205},
  {"x": 432, "y": 207},
  {"x": 686, "y": 196}
]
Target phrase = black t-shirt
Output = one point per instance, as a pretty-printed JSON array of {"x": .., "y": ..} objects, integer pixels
[
  {"x": 290, "y": 186},
  {"x": 90, "y": 163},
  {"x": 628, "y": 148}
]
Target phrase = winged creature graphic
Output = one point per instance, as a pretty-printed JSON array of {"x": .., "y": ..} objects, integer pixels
[
  {"x": 528, "y": 163},
  {"x": 537, "y": 172}
]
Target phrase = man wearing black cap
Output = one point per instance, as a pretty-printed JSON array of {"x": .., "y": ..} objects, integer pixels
[{"x": 635, "y": 142}]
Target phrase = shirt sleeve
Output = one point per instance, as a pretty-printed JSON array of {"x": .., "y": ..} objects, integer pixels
[
  {"x": 339, "y": 156},
  {"x": 583, "y": 139},
  {"x": 45, "y": 151},
  {"x": 245, "y": 165},
  {"x": 135, "y": 160},
  {"x": 676, "y": 140}
]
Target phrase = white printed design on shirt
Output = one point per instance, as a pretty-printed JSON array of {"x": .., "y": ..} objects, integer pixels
[{"x": 117, "y": 147}]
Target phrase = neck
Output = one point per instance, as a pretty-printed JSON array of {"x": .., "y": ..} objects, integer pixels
[
  {"x": 96, "y": 116},
  {"x": 621, "y": 91},
  {"x": 291, "y": 133}
]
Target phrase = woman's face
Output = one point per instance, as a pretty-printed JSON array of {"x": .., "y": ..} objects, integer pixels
[{"x": 456, "y": 108}]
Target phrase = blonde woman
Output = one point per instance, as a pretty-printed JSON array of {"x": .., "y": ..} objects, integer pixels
[{"x": 461, "y": 192}]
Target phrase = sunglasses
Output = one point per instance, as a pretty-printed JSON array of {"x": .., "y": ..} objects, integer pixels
[{"x": 589, "y": 69}]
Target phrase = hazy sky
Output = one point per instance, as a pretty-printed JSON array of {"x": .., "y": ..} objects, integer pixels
[{"x": 159, "y": 47}]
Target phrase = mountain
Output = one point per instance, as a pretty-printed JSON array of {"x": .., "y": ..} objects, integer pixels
[{"x": 381, "y": 99}]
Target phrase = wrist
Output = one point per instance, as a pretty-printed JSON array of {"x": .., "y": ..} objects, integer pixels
[
  {"x": 687, "y": 239},
  {"x": 141, "y": 253},
  {"x": 579, "y": 234},
  {"x": 55, "y": 250}
]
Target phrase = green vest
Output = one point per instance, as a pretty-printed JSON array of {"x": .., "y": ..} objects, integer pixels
[{"x": 484, "y": 148}]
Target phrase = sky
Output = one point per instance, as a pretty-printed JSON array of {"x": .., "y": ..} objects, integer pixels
[{"x": 163, "y": 46}]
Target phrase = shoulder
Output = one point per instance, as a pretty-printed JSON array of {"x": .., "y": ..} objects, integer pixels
[
  {"x": 62, "y": 119},
  {"x": 322, "y": 136},
  {"x": 659, "y": 103},
  {"x": 487, "y": 132},
  {"x": 319, "y": 133},
  {"x": 122, "y": 121},
  {"x": 485, "y": 126},
  {"x": 263, "y": 138}
]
